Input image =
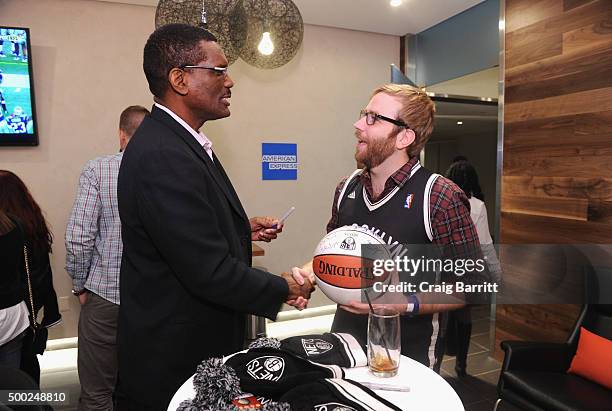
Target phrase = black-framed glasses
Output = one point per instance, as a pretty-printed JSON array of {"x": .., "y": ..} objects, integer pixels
[
  {"x": 372, "y": 117},
  {"x": 221, "y": 71}
]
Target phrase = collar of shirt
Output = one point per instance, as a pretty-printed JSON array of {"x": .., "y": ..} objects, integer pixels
[
  {"x": 199, "y": 136},
  {"x": 396, "y": 179}
]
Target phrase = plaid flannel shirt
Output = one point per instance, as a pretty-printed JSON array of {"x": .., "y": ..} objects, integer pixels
[{"x": 93, "y": 235}]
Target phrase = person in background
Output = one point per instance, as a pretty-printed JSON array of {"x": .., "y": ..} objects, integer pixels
[
  {"x": 2, "y": 99},
  {"x": 13, "y": 310},
  {"x": 4, "y": 128},
  {"x": 93, "y": 261},
  {"x": 462, "y": 173},
  {"x": 16, "y": 200}
]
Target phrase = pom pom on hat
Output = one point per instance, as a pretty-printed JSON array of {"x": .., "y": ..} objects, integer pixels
[
  {"x": 264, "y": 342},
  {"x": 216, "y": 384}
]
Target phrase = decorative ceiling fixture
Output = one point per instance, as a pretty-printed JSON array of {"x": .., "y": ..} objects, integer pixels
[
  {"x": 226, "y": 19},
  {"x": 274, "y": 32},
  {"x": 265, "y": 33},
  {"x": 395, "y": 3}
]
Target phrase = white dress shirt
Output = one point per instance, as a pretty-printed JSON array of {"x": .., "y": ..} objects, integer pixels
[
  {"x": 13, "y": 321},
  {"x": 199, "y": 136},
  {"x": 478, "y": 212}
]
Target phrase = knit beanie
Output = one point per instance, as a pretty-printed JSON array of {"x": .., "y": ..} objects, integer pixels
[
  {"x": 330, "y": 348},
  {"x": 271, "y": 373},
  {"x": 218, "y": 389}
]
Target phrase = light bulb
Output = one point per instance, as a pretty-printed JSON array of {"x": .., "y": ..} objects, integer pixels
[
  {"x": 266, "y": 47},
  {"x": 395, "y": 3}
]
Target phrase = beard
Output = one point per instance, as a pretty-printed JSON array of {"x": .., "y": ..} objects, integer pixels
[{"x": 376, "y": 152}]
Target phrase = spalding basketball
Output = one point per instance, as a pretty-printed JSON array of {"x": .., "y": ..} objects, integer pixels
[{"x": 341, "y": 269}]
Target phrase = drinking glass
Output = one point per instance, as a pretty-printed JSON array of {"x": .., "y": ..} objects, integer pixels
[{"x": 384, "y": 342}]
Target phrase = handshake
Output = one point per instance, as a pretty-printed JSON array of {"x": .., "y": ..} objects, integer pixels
[{"x": 301, "y": 284}]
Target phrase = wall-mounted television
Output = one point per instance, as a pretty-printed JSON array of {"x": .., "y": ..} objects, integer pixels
[{"x": 18, "y": 125}]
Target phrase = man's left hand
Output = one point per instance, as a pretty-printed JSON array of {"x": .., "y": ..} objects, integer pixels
[
  {"x": 83, "y": 297},
  {"x": 264, "y": 228}
]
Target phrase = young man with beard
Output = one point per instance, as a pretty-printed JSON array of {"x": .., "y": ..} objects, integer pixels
[{"x": 396, "y": 197}]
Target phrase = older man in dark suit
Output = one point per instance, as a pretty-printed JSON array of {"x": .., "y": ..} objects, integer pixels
[{"x": 186, "y": 277}]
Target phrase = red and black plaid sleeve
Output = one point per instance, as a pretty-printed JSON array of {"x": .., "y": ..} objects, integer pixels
[
  {"x": 454, "y": 231},
  {"x": 450, "y": 215}
]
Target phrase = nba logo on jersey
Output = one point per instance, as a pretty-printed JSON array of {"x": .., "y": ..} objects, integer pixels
[{"x": 408, "y": 202}]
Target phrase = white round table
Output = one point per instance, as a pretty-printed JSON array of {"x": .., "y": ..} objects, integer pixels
[{"x": 427, "y": 390}]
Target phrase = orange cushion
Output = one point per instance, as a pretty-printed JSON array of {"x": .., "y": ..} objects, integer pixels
[{"x": 593, "y": 359}]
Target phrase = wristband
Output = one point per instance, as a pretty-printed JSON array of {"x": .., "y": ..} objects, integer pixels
[{"x": 413, "y": 305}]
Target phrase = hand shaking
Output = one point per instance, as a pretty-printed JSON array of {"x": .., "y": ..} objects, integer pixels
[{"x": 300, "y": 287}]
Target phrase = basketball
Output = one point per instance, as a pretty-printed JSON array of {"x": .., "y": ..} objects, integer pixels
[{"x": 342, "y": 271}]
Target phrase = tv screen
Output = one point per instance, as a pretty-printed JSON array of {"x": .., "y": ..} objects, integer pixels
[{"x": 17, "y": 112}]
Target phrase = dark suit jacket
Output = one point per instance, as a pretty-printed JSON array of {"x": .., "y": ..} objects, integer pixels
[{"x": 186, "y": 281}]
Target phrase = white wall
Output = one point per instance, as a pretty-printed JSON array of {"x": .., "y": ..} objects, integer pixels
[{"x": 87, "y": 58}]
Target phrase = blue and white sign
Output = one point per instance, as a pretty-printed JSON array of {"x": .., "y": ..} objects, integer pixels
[{"x": 279, "y": 161}]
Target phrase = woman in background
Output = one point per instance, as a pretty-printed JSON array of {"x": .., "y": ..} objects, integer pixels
[
  {"x": 16, "y": 200},
  {"x": 459, "y": 331},
  {"x": 13, "y": 310}
]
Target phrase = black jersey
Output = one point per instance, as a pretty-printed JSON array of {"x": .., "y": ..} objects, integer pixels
[{"x": 400, "y": 218}]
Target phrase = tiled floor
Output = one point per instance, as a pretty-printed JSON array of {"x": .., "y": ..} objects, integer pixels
[
  {"x": 477, "y": 390},
  {"x": 64, "y": 381}
]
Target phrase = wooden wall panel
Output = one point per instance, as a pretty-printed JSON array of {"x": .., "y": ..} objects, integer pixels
[
  {"x": 535, "y": 50},
  {"x": 593, "y": 189},
  {"x": 593, "y": 37},
  {"x": 523, "y": 13},
  {"x": 600, "y": 212},
  {"x": 570, "y": 4},
  {"x": 569, "y": 104},
  {"x": 557, "y": 207},
  {"x": 559, "y": 23},
  {"x": 580, "y": 73},
  {"x": 569, "y": 166},
  {"x": 556, "y": 180},
  {"x": 598, "y": 145},
  {"x": 534, "y": 229},
  {"x": 542, "y": 321}
]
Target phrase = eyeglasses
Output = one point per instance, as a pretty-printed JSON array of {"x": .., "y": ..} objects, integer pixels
[
  {"x": 220, "y": 71},
  {"x": 372, "y": 117}
]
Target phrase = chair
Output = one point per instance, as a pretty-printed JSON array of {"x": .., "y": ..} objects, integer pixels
[
  {"x": 15, "y": 379},
  {"x": 533, "y": 375}
]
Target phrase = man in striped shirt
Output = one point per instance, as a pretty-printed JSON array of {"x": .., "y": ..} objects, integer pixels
[{"x": 93, "y": 261}]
